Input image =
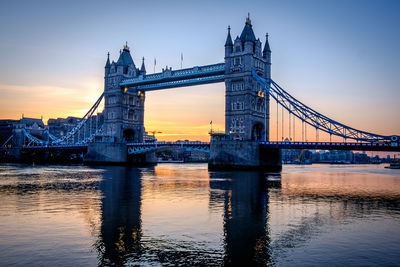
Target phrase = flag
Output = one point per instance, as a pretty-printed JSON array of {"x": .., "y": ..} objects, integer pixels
[{"x": 155, "y": 62}]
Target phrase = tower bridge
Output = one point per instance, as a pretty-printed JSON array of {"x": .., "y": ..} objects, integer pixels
[{"x": 246, "y": 72}]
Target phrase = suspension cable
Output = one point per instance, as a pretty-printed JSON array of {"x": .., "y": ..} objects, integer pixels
[
  {"x": 305, "y": 131},
  {"x": 277, "y": 121},
  {"x": 315, "y": 118},
  {"x": 294, "y": 128},
  {"x": 290, "y": 127},
  {"x": 283, "y": 124}
]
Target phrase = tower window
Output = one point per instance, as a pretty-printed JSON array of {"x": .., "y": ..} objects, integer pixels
[
  {"x": 237, "y": 86},
  {"x": 237, "y": 61},
  {"x": 130, "y": 114}
]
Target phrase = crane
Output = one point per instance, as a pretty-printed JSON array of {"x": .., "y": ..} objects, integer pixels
[{"x": 154, "y": 133}]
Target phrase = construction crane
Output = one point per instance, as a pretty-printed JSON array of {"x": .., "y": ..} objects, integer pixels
[
  {"x": 298, "y": 160},
  {"x": 154, "y": 133}
]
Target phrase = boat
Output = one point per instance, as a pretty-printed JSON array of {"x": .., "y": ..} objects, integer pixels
[{"x": 395, "y": 164}]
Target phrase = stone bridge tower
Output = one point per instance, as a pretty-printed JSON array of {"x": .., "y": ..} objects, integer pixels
[
  {"x": 246, "y": 106},
  {"x": 124, "y": 110}
]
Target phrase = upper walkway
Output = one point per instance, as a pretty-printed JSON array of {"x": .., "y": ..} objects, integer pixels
[{"x": 169, "y": 78}]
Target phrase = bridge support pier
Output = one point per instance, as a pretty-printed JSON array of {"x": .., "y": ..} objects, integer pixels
[
  {"x": 106, "y": 153},
  {"x": 243, "y": 155},
  {"x": 143, "y": 159}
]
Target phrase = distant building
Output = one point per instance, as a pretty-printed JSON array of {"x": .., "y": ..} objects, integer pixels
[
  {"x": 147, "y": 138},
  {"x": 6, "y": 130},
  {"x": 60, "y": 126},
  {"x": 290, "y": 155},
  {"x": 33, "y": 126},
  {"x": 30, "y": 123}
]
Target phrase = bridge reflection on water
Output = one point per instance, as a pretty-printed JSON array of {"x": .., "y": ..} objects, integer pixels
[
  {"x": 185, "y": 214},
  {"x": 158, "y": 215},
  {"x": 241, "y": 197}
]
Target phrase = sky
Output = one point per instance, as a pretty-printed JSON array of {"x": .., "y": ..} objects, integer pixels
[{"x": 339, "y": 57}]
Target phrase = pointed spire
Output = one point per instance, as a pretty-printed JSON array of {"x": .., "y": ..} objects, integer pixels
[
  {"x": 125, "y": 57},
  {"x": 248, "y": 20},
  {"x": 126, "y": 47},
  {"x": 248, "y": 33},
  {"x": 229, "y": 38},
  {"x": 143, "y": 68},
  {"x": 108, "y": 60},
  {"x": 266, "y": 46}
]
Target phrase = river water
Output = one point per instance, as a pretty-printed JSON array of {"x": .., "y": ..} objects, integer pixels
[{"x": 184, "y": 214}]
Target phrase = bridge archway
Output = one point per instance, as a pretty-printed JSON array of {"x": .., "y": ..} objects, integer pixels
[
  {"x": 129, "y": 135},
  {"x": 257, "y": 132}
]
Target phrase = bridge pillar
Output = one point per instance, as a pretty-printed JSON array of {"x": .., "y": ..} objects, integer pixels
[
  {"x": 123, "y": 112},
  {"x": 124, "y": 109},
  {"x": 143, "y": 159},
  {"x": 246, "y": 106},
  {"x": 106, "y": 153},
  {"x": 243, "y": 155}
]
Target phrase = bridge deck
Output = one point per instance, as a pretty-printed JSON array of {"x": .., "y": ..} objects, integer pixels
[
  {"x": 333, "y": 146},
  {"x": 390, "y": 147},
  {"x": 177, "y": 78}
]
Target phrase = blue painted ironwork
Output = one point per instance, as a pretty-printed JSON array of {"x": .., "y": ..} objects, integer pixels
[
  {"x": 51, "y": 137},
  {"x": 8, "y": 140},
  {"x": 69, "y": 136},
  {"x": 177, "y": 78},
  {"x": 215, "y": 73},
  {"x": 316, "y": 119},
  {"x": 139, "y": 148},
  {"x": 181, "y": 83},
  {"x": 57, "y": 147},
  {"x": 395, "y": 147}
]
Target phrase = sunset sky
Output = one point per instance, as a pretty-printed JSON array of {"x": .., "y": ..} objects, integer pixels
[{"x": 339, "y": 57}]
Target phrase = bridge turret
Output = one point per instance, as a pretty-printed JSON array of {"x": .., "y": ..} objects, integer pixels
[
  {"x": 246, "y": 106},
  {"x": 125, "y": 64},
  {"x": 247, "y": 37},
  {"x": 124, "y": 110},
  {"x": 267, "y": 57},
  {"x": 267, "y": 77},
  {"x": 143, "y": 68},
  {"x": 228, "y": 43},
  {"x": 108, "y": 65}
]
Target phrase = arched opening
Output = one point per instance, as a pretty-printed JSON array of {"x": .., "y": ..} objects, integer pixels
[
  {"x": 131, "y": 115},
  {"x": 129, "y": 135},
  {"x": 257, "y": 133}
]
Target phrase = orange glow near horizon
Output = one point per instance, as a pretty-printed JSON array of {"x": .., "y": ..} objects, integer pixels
[
  {"x": 186, "y": 113},
  {"x": 179, "y": 114},
  {"x": 48, "y": 101}
]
